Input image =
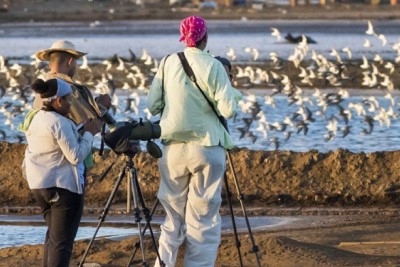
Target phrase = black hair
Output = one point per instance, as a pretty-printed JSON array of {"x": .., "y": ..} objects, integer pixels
[
  {"x": 224, "y": 62},
  {"x": 45, "y": 88},
  {"x": 198, "y": 43}
]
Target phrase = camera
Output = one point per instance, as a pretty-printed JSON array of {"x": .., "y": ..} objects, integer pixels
[{"x": 123, "y": 134}]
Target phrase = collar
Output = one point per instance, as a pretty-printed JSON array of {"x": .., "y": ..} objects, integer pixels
[
  {"x": 52, "y": 75},
  {"x": 196, "y": 51}
]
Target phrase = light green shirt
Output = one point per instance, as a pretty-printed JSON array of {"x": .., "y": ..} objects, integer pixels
[{"x": 186, "y": 115}]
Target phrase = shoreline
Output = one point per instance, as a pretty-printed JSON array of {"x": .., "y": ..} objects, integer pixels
[{"x": 41, "y": 10}]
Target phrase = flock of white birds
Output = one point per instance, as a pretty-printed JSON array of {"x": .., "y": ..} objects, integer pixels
[{"x": 251, "y": 121}]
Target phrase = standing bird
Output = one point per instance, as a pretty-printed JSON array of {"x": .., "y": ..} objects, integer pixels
[
  {"x": 231, "y": 54},
  {"x": 370, "y": 30},
  {"x": 348, "y": 51},
  {"x": 275, "y": 32}
]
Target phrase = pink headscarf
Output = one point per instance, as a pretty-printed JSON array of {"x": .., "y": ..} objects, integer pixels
[{"x": 192, "y": 30}]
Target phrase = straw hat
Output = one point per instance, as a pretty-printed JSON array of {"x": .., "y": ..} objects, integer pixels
[{"x": 59, "y": 46}]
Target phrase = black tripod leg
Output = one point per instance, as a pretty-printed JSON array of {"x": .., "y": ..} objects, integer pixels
[
  {"x": 237, "y": 241},
  {"x": 104, "y": 214},
  {"x": 135, "y": 195},
  {"x": 148, "y": 215},
  {"x": 137, "y": 244},
  {"x": 240, "y": 196}
]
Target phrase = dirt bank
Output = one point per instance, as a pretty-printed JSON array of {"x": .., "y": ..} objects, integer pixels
[
  {"x": 274, "y": 183},
  {"x": 266, "y": 178}
]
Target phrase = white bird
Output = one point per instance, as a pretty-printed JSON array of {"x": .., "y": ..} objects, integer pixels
[
  {"x": 378, "y": 58},
  {"x": 348, "y": 51},
  {"x": 370, "y": 30},
  {"x": 269, "y": 101},
  {"x": 383, "y": 39},
  {"x": 367, "y": 43},
  {"x": 262, "y": 128},
  {"x": 288, "y": 121},
  {"x": 3, "y": 68},
  {"x": 126, "y": 86},
  {"x": 85, "y": 65},
  {"x": 94, "y": 23},
  {"x": 148, "y": 113},
  {"x": 390, "y": 97},
  {"x": 303, "y": 43},
  {"x": 145, "y": 55},
  {"x": 252, "y": 98},
  {"x": 17, "y": 68},
  {"x": 344, "y": 93},
  {"x": 108, "y": 64},
  {"x": 358, "y": 107},
  {"x": 317, "y": 93},
  {"x": 240, "y": 72},
  {"x": 334, "y": 53},
  {"x": 148, "y": 61},
  {"x": 275, "y": 32},
  {"x": 387, "y": 82},
  {"x": 231, "y": 54},
  {"x": 365, "y": 64},
  {"x": 121, "y": 65},
  {"x": 253, "y": 51},
  {"x": 390, "y": 67},
  {"x": 332, "y": 125}
]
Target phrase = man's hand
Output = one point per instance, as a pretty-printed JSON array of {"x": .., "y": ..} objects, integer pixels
[
  {"x": 104, "y": 100},
  {"x": 93, "y": 125}
]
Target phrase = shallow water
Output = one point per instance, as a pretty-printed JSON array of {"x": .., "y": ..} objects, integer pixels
[
  {"x": 18, "y": 235},
  {"x": 20, "y": 40},
  {"x": 382, "y": 138}
]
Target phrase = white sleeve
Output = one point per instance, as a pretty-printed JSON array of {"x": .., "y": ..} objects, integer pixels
[
  {"x": 74, "y": 149},
  {"x": 155, "y": 101},
  {"x": 225, "y": 96}
]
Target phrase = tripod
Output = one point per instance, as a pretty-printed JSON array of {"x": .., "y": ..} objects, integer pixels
[
  {"x": 137, "y": 197},
  {"x": 241, "y": 198}
]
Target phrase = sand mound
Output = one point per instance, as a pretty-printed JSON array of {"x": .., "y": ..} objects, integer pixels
[{"x": 266, "y": 178}]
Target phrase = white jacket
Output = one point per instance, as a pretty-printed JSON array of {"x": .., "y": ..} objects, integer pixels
[{"x": 54, "y": 151}]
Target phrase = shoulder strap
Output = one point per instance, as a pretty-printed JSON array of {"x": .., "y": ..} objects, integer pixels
[
  {"x": 189, "y": 72},
  {"x": 187, "y": 68}
]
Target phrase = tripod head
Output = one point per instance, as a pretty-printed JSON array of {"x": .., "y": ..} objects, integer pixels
[{"x": 132, "y": 148}]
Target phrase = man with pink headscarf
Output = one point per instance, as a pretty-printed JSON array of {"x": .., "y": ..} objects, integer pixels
[{"x": 194, "y": 143}]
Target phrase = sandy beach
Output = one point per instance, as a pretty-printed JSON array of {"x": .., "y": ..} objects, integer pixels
[{"x": 344, "y": 204}]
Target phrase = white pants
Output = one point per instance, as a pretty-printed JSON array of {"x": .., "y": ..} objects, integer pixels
[{"x": 190, "y": 191}]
